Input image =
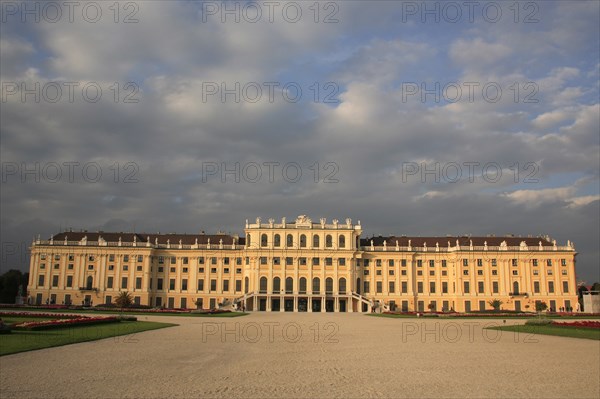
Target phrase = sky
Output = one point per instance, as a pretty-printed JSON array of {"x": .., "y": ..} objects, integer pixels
[{"x": 416, "y": 118}]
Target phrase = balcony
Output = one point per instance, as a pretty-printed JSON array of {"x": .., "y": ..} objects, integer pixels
[
  {"x": 88, "y": 289},
  {"x": 524, "y": 294}
]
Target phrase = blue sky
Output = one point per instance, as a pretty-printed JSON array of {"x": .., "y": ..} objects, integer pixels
[{"x": 164, "y": 144}]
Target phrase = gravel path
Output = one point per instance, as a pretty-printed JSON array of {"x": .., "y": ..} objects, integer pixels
[{"x": 285, "y": 355}]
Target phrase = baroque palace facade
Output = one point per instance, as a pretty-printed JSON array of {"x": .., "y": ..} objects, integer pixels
[{"x": 304, "y": 266}]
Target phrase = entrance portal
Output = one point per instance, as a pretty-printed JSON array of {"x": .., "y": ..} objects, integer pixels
[{"x": 316, "y": 305}]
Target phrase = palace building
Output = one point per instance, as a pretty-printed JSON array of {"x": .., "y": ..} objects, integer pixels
[{"x": 304, "y": 266}]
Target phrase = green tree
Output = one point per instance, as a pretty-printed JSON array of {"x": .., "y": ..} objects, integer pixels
[
  {"x": 596, "y": 287},
  {"x": 541, "y": 306},
  {"x": 496, "y": 304},
  {"x": 124, "y": 299},
  {"x": 9, "y": 285}
]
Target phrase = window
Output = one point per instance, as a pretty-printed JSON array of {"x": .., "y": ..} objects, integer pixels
[
  {"x": 432, "y": 272},
  {"x": 201, "y": 260},
  {"x": 91, "y": 258},
  {"x": 172, "y": 270},
  {"x": 316, "y": 285},
  {"x": 90, "y": 267},
  {"x": 480, "y": 287},
  {"x": 514, "y": 262},
  {"x": 276, "y": 260},
  {"x": 444, "y": 287},
  {"x": 534, "y": 262},
  {"x": 125, "y": 258},
  {"x": 403, "y": 272},
  {"x": 71, "y": 257},
  {"x": 184, "y": 270},
  {"x": 201, "y": 284},
  {"x": 405, "y": 286},
  {"x": 366, "y": 272},
  {"x": 432, "y": 287},
  {"x": 225, "y": 285},
  {"x": 494, "y": 272},
  {"x": 342, "y": 242},
  {"x": 391, "y": 272},
  {"x": 124, "y": 283},
  {"x": 289, "y": 240},
  {"x": 465, "y": 262},
  {"x": 378, "y": 272},
  {"x": 70, "y": 266},
  {"x": 276, "y": 285},
  {"x": 329, "y": 285},
  {"x": 342, "y": 261},
  {"x": 172, "y": 284},
  {"x": 238, "y": 270},
  {"x": 315, "y": 241},
  {"x": 444, "y": 272},
  {"x": 342, "y": 286},
  {"x": 109, "y": 281},
  {"x": 565, "y": 287},
  {"x": 444, "y": 263},
  {"x": 548, "y": 262},
  {"x": 42, "y": 265},
  {"x": 515, "y": 272},
  {"x": 419, "y": 263},
  {"x": 213, "y": 269},
  {"x": 480, "y": 272},
  {"x": 564, "y": 272},
  {"x": 70, "y": 281},
  {"x": 213, "y": 285},
  {"x": 263, "y": 240},
  {"x": 248, "y": 240},
  {"x": 378, "y": 262},
  {"x": 56, "y": 266},
  {"x": 140, "y": 258},
  {"x": 328, "y": 241},
  {"x": 494, "y": 262},
  {"x": 467, "y": 287},
  {"x": 403, "y": 263},
  {"x": 289, "y": 261},
  {"x": 184, "y": 284},
  {"x": 139, "y": 268},
  {"x": 419, "y": 272},
  {"x": 328, "y": 261},
  {"x": 431, "y": 263},
  {"x": 238, "y": 261},
  {"x": 366, "y": 287},
  {"x": 479, "y": 262},
  {"x": 138, "y": 283},
  {"x": 420, "y": 287},
  {"x": 302, "y": 288},
  {"x": 366, "y": 263},
  {"x": 41, "y": 280},
  {"x": 563, "y": 262},
  {"x": 536, "y": 272},
  {"x": 302, "y": 261},
  {"x": 263, "y": 260},
  {"x": 213, "y": 260},
  {"x": 549, "y": 272},
  {"x": 551, "y": 287},
  {"x": 238, "y": 285},
  {"x": 391, "y": 287},
  {"x": 465, "y": 272},
  {"x": 494, "y": 287},
  {"x": 277, "y": 240},
  {"x": 125, "y": 267},
  {"x": 159, "y": 284},
  {"x": 55, "y": 281},
  {"x": 43, "y": 256},
  {"x": 378, "y": 287},
  {"x": 391, "y": 262},
  {"x": 161, "y": 260},
  {"x": 536, "y": 287}
]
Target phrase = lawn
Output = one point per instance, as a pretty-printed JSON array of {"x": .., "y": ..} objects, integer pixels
[
  {"x": 22, "y": 341},
  {"x": 228, "y": 314},
  {"x": 571, "y": 332},
  {"x": 117, "y": 311}
]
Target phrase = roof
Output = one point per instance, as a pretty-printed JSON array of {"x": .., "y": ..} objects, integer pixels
[
  {"x": 186, "y": 239},
  {"x": 462, "y": 240}
]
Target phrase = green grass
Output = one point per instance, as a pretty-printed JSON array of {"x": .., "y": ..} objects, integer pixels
[
  {"x": 21, "y": 319},
  {"x": 22, "y": 341},
  {"x": 571, "y": 332},
  {"x": 117, "y": 311},
  {"x": 393, "y": 316}
]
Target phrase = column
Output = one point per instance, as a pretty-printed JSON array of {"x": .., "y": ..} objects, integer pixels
[{"x": 295, "y": 303}]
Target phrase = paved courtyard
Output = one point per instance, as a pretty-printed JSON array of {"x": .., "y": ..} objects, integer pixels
[{"x": 311, "y": 355}]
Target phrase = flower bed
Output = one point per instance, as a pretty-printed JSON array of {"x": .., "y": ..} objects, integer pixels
[
  {"x": 62, "y": 323},
  {"x": 578, "y": 324},
  {"x": 34, "y": 315},
  {"x": 141, "y": 310}
]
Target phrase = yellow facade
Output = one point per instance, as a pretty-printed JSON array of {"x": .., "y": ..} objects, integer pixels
[{"x": 304, "y": 266}]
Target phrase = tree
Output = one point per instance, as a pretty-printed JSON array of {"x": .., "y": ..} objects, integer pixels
[
  {"x": 496, "y": 304},
  {"x": 198, "y": 303},
  {"x": 541, "y": 306},
  {"x": 596, "y": 287},
  {"x": 9, "y": 285},
  {"x": 124, "y": 300}
]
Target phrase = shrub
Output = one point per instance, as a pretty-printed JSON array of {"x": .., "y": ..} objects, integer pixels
[{"x": 538, "y": 322}]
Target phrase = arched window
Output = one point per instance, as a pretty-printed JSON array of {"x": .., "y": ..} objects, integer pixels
[
  {"x": 342, "y": 285},
  {"x": 315, "y": 241},
  {"x": 328, "y": 241},
  {"x": 89, "y": 283},
  {"x": 516, "y": 287},
  {"x": 277, "y": 240},
  {"x": 316, "y": 285},
  {"x": 289, "y": 240},
  {"x": 276, "y": 285},
  {"x": 358, "y": 285},
  {"x": 302, "y": 287},
  {"x": 263, "y": 240},
  {"x": 248, "y": 240},
  {"x": 342, "y": 242},
  {"x": 329, "y": 285},
  {"x": 263, "y": 285},
  {"x": 289, "y": 285},
  {"x": 302, "y": 241},
  {"x": 246, "y": 284}
]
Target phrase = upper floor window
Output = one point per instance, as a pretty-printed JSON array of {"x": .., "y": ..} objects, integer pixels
[
  {"x": 342, "y": 242},
  {"x": 328, "y": 241},
  {"x": 277, "y": 240},
  {"x": 263, "y": 240},
  {"x": 289, "y": 240},
  {"x": 315, "y": 241},
  {"x": 302, "y": 241}
]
